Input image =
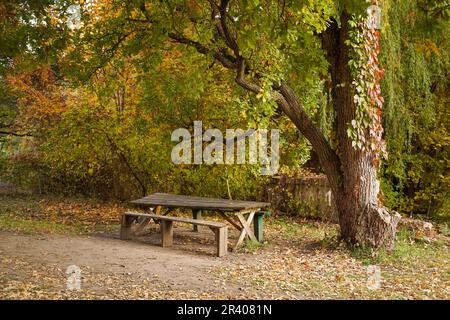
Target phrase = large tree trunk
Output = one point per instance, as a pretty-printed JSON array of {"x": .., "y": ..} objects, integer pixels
[
  {"x": 362, "y": 217},
  {"x": 352, "y": 173}
]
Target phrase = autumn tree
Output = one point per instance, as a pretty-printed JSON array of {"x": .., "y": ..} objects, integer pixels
[
  {"x": 274, "y": 50},
  {"x": 28, "y": 30},
  {"x": 270, "y": 49}
]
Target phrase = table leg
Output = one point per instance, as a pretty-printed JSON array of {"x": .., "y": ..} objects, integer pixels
[
  {"x": 142, "y": 225},
  {"x": 196, "y": 214},
  {"x": 258, "y": 225},
  {"x": 169, "y": 210},
  {"x": 155, "y": 210},
  {"x": 231, "y": 221},
  {"x": 246, "y": 230},
  {"x": 143, "y": 222}
]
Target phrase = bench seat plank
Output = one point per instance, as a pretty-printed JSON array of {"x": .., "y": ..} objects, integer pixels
[
  {"x": 220, "y": 229},
  {"x": 213, "y": 224}
]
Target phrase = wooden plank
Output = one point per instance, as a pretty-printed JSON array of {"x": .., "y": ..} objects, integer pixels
[
  {"x": 207, "y": 201},
  {"x": 142, "y": 225},
  {"x": 171, "y": 200},
  {"x": 234, "y": 224},
  {"x": 221, "y": 241},
  {"x": 178, "y": 219},
  {"x": 198, "y": 205},
  {"x": 166, "y": 227},
  {"x": 245, "y": 228},
  {"x": 246, "y": 225},
  {"x": 167, "y": 196},
  {"x": 150, "y": 210},
  {"x": 169, "y": 210},
  {"x": 166, "y": 233}
]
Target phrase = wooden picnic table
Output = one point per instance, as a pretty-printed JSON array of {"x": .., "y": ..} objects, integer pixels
[{"x": 240, "y": 214}]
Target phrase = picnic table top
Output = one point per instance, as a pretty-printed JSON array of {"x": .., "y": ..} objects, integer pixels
[{"x": 181, "y": 201}]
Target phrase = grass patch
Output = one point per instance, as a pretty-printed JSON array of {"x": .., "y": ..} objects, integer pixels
[
  {"x": 444, "y": 228},
  {"x": 253, "y": 246},
  {"x": 52, "y": 214},
  {"x": 407, "y": 252},
  {"x": 300, "y": 228},
  {"x": 27, "y": 226}
]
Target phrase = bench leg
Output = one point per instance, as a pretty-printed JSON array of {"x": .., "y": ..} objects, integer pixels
[
  {"x": 166, "y": 233},
  {"x": 196, "y": 214},
  {"x": 221, "y": 241},
  {"x": 125, "y": 227}
]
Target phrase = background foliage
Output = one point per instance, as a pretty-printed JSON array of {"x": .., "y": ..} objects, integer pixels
[
  {"x": 416, "y": 116},
  {"x": 91, "y": 112}
]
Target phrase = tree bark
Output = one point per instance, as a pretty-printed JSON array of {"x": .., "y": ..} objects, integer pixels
[{"x": 362, "y": 217}]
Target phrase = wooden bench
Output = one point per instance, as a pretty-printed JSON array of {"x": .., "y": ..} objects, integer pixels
[{"x": 166, "y": 225}]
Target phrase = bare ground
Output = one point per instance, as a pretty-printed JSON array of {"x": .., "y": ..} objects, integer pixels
[
  {"x": 40, "y": 237},
  {"x": 182, "y": 270}
]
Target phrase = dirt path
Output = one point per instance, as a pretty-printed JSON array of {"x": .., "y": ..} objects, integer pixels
[
  {"x": 132, "y": 261},
  {"x": 40, "y": 238},
  {"x": 109, "y": 255}
]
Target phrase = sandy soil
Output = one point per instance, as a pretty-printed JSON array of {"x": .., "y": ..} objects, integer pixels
[{"x": 183, "y": 267}]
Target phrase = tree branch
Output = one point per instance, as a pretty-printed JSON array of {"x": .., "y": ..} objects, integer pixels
[
  {"x": 289, "y": 103},
  {"x": 230, "y": 41},
  {"x": 240, "y": 78},
  {"x": 227, "y": 61},
  {"x": 282, "y": 94},
  {"x": 327, "y": 156}
]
